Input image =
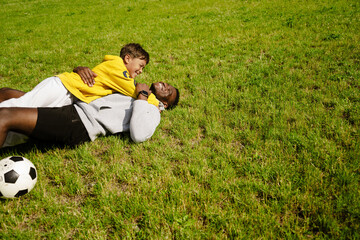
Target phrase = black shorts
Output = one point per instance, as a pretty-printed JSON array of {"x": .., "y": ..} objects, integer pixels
[{"x": 60, "y": 125}]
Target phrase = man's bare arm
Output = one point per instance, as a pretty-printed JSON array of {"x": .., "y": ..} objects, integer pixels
[{"x": 86, "y": 74}]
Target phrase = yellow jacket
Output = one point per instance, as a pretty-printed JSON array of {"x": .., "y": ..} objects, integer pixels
[{"x": 112, "y": 76}]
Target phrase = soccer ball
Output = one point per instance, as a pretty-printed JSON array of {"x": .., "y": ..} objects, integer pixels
[{"x": 17, "y": 176}]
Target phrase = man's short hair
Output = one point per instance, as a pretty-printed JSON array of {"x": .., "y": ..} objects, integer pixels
[
  {"x": 135, "y": 51},
  {"x": 176, "y": 100}
]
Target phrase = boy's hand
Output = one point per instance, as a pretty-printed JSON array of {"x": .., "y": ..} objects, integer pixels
[
  {"x": 142, "y": 87},
  {"x": 86, "y": 75}
]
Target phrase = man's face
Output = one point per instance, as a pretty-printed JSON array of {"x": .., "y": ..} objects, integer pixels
[
  {"x": 164, "y": 92},
  {"x": 135, "y": 66}
]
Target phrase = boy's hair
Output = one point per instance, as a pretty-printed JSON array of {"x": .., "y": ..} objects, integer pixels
[
  {"x": 135, "y": 51},
  {"x": 176, "y": 100}
]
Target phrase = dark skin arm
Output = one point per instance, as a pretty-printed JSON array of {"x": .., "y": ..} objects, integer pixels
[
  {"x": 140, "y": 87},
  {"x": 86, "y": 75}
]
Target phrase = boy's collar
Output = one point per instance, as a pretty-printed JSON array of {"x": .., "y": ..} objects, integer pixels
[{"x": 161, "y": 106}]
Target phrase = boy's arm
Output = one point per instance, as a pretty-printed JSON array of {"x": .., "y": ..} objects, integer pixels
[{"x": 86, "y": 74}]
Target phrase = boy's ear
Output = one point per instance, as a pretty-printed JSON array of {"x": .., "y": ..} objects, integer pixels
[{"x": 127, "y": 58}]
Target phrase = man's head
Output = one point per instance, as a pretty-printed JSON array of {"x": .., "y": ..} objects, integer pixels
[
  {"x": 135, "y": 58},
  {"x": 166, "y": 94}
]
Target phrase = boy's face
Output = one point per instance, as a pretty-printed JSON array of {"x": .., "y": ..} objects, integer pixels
[{"x": 135, "y": 66}]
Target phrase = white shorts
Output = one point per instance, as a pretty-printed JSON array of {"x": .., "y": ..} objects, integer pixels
[{"x": 48, "y": 93}]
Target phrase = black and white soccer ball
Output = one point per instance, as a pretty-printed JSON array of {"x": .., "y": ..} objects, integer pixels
[{"x": 17, "y": 176}]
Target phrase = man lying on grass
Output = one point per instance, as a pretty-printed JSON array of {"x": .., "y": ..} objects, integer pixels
[{"x": 81, "y": 122}]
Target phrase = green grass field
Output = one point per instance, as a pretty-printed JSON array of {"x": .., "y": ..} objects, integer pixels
[{"x": 263, "y": 145}]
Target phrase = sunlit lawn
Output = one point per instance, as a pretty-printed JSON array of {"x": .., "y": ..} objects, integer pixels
[{"x": 264, "y": 143}]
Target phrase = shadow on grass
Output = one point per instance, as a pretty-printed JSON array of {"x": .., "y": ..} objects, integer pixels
[
  {"x": 30, "y": 146},
  {"x": 44, "y": 147}
]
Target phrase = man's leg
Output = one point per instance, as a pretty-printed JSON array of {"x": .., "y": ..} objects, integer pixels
[
  {"x": 7, "y": 93},
  {"x": 22, "y": 120}
]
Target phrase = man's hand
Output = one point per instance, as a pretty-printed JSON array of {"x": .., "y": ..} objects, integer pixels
[{"x": 86, "y": 75}]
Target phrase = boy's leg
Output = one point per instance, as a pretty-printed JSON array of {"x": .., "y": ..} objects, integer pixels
[
  {"x": 7, "y": 93},
  {"x": 48, "y": 93},
  {"x": 22, "y": 120}
]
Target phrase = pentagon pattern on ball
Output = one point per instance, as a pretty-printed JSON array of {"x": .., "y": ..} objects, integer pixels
[
  {"x": 32, "y": 173},
  {"x": 11, "y": 176},
  {"x": 17, "y": 176},
  {"x": 16, "y": 158},
  {"x": 21, "y": 192}
]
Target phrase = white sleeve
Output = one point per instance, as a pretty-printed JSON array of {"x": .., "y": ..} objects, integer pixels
[{"x": 144, "y": 120}]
